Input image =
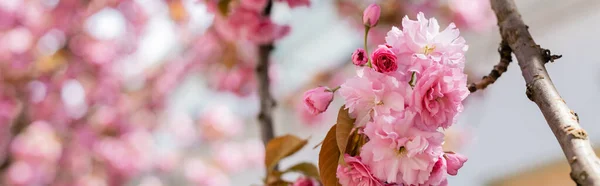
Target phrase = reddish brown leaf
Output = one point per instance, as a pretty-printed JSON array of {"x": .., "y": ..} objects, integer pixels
[
  {"x": 344, "y": 127},
  {"x": 281, "y": 147},
  {"x": 328, "y": 159}
]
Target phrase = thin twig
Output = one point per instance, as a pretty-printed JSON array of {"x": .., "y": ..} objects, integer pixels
[
  {"x": 267, "y": 103},
  {"x": 505, "y": 59},
  {"x": 564, "y": 122}
]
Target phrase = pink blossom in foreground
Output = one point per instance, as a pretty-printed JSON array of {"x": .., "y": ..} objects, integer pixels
[
  {"x": 422, "y": 39},
  {"x": 455, "y": 161},
  {"x": 371, "y": 15},
  {"x": 359, "y": 57},
  {"x": 438, "y": 173},
  {"x": 355, "y": 173},
  {"x": 437, "y": 97},
  {"x": 318, "y": 99},
  {"x": 400, "y": 153},
  {"x": 306, "y": 181},
  {"x": 384, "y": 60},
  {"x": 372, "y": 93}
]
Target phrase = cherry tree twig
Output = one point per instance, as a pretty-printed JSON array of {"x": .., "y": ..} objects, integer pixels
[
  {"x": 564, "y": 122},
  {"x": 267, "y": 103},
  {"x": 505, "y": 59}
]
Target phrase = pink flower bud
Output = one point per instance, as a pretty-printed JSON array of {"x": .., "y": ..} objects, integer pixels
[
  {"x": 359, "y": 58},
  {"x": 454, "y": 161},
  {"x": 317, "y": 100},
  {"x": 371, "y": 15},
  {"x": 384, "y": 60}
]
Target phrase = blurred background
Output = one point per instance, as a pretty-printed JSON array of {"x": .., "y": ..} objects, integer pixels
[{"x": 161, "y": 92}]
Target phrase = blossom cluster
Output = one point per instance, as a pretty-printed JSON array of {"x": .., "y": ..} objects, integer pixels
[
  {"x": 235, "y": 37},
  {"x": 78, "y": 106},
  {"x": 404, "y": 93}
]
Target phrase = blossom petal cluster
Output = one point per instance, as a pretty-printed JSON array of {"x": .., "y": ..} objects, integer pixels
[{"x": 408, "y": 91}]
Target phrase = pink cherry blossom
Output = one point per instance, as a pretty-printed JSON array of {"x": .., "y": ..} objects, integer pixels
[
  {"x": 400, "y": 153},
  {"x": 306, "y": 181},
  {"x": 359, "y": 57},
  {"x": 437, "y": 97},
  {"x": 372, "y": 93},
  {"x": 371, "y": 15},
  {"x": 318, "y": 99},
  {"x": 422, "y": 39},
  {"x": 355, "y": 173},
  {"x": 438, "y": 173},
  {"x": 384, "y": 60},
  {"x": 455, "y": 161}
]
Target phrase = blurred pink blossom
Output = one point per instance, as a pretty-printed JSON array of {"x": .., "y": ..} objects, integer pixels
[
  {"x": 229, "y": 156},
  {"x": 219, "y": 122},
  {"x": 476, "y": 15},
  {"x": 201, "y": 174}
]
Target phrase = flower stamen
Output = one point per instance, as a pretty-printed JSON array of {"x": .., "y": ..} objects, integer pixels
[
  {"x": 428, "y": 50},
  {"x": 402, "y": 151}
]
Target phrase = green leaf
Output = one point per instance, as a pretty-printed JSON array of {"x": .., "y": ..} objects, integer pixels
[
  {"x": 308, "y": 169},
  {"x": 344, "y": 127},
  {"x": 328, "y": 159},
  {"x": 281, "y": 147}
]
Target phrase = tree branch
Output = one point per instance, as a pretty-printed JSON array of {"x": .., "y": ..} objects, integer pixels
[
  {"x": 505, "y": 59},
  {"x": 267, "y": 103},
  {"x": 585, "y": 166}
]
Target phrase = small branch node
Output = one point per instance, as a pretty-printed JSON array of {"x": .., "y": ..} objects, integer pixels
[
  {"x": 548, "y": 57},
  {"x": 505, "y": 59},
  {"x": 573, "y": 160},
  {"x": 576, "y": 133},
  {"x": 529, "y": 91},
  {"x": 537, "y": 77}
]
